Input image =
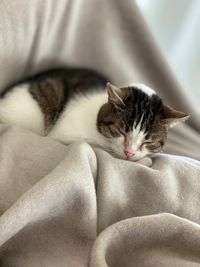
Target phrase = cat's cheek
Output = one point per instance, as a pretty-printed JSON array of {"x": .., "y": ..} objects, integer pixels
[
  {"x": 120, "y": 142},
  {"x": 117, "y": 145},
  {"x": 143, "y": 148},
  {"x": 140, "y": 154}
]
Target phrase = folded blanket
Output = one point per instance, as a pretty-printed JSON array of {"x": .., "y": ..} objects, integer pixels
[{"x": 75, "y": 205}]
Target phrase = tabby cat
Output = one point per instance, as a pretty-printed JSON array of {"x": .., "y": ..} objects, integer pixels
[{"x": 78, "y": 104}]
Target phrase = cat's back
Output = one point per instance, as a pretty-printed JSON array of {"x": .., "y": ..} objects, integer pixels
[
  {"x": 37, "y": 102},
  {"x": 54, "y": 89}
]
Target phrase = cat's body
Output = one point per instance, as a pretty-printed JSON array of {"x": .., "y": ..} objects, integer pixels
[
  {"x": 73, "y": 104},
  {"x": 45, "y": 96}
]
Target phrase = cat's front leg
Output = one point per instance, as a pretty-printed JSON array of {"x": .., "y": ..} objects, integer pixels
[{"x": 146, "y": 161}]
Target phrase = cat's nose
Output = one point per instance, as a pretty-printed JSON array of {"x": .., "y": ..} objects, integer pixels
[{"x": 129, "y": 154}]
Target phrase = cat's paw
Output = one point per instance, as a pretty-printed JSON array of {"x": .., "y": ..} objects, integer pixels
[{"x": 146, "y": 161}]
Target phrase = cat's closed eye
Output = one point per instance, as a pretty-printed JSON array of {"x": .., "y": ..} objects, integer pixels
[
  {"x": 146, "y": 143},
  {"x": 121, "y": 131},
  {"x": 108, "y": 123},
  {"x": 155, "y": 147}
]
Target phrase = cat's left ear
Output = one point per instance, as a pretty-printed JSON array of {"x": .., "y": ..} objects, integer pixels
[
  {"x": 114, "y": 95},
  {"x": 173, "y": 116}
]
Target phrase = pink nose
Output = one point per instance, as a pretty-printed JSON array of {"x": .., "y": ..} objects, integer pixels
[{"x": 129, "y": 154}]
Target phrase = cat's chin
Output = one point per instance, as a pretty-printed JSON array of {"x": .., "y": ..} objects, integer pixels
[
  {"x": 145, "y": 161},
  {"x": 133, "y": 159},
  {"x": 142, "y": 159}
]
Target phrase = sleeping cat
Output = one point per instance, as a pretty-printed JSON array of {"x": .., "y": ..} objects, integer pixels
[{"x": 78, "y": 104}]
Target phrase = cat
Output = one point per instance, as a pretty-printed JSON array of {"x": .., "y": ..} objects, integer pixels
[{"x": 79, "y": 104}]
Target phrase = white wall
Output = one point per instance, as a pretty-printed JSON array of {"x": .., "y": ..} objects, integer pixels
[{"x": 176, "y": 27}]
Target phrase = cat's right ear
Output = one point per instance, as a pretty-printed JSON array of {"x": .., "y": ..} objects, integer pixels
[
  {"x": 173, "y": 116},
  {"x": 114, "y": 95}
]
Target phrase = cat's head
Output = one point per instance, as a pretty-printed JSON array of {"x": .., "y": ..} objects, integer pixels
[{"x": 135, "y": 121}]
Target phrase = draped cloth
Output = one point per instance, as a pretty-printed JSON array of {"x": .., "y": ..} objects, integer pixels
[{"x": 76, "y": 205}]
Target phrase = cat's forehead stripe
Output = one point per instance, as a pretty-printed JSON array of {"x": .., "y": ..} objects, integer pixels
[{"x": 143, "y": 108}]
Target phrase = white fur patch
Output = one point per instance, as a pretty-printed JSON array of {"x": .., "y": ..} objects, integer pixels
[
  {"x": 138, "y": 138},
  {"x": 78, "y": 121},
  {"x": 19, "y": 108},
  {"x": 147, "y": 90}
]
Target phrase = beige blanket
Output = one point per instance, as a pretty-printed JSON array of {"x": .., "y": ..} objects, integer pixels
[{"x": 78, "y": 206}]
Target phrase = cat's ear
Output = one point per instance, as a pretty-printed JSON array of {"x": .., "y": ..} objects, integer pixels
[
  {"x": 114, "y": 95},
  {"x": 173, "y": 116}
]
